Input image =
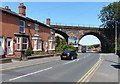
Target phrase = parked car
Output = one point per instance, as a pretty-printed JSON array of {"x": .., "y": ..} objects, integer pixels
[{"x": 68, "y": 55}]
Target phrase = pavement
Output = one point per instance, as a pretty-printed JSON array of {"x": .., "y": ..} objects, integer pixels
[{"x": 108, "y": 70}]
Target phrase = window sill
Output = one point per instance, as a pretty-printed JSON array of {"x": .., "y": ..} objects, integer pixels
[
  {"x": 38, "y": 50},
  {"x": 51, "y": 49},
  {"x": 19, "y": 50},
  {"x": 36, "y": 35},
  {"x": 22, "y": 32}
]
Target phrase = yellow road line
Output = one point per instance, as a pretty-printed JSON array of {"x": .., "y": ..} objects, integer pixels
[
  {"x": 94, "y": 71},
  {"x": 13, "y": 67},
  {"x": 89, "y": 72}
]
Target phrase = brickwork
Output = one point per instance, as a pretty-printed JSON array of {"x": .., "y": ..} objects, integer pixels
[{"x": 11, "y": 29}]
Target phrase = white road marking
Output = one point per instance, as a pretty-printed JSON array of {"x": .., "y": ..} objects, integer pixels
[
  {"x": 78, "y": 60},
  {"x": 107, "y": 54},
  {"x": 70, "y": 62},
  {"x": 30, "y": 74}
]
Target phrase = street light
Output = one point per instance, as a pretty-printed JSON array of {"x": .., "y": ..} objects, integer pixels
[
  {"x": 116, "y": 22},
  {"x": 116, "y": 37}
]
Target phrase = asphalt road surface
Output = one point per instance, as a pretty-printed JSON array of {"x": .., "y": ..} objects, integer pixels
[{"x": 49, "y": 69}]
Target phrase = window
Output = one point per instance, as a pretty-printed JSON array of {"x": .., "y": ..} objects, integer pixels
[
  {"x": 51, "y": 32},
  {"x": 22, "y": 25},
  {"x": 35, "y": 44},
  {"x": 39, "y": 44},
  {"x": 8, "y": 43},
  {"x": 0, "y": 44},
  {"x": 24, "y": 43},
  {"x": 51, "y": 44},
  {"x": 36, "y": 29},
  {"x": 18, "y": 43}
]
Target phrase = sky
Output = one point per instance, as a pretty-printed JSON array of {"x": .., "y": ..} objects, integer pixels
[
  {"x": 85, "y": 41},
  {"x": 65, "y": 13}
]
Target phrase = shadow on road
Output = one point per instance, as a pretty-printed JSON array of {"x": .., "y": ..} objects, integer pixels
[
  {"x": 116, "y": 66},
  {"x": 112, "y": 61}
]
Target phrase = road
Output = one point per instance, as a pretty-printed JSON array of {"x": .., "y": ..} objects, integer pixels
[{"x": 49, "y": 69}]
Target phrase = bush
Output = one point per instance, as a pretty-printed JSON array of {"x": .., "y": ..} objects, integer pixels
[
  {"x": 61, "y": 48},
  {"x": 69, "y": 47},
  {"x": 28, "y": 52},
  {"x": 118, "y": 43},
  {"x": 36, "y": 53},
  {"x": 43, "y": 53}
]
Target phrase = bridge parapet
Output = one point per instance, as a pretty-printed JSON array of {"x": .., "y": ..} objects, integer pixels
[{"x": 60, "y": 27}]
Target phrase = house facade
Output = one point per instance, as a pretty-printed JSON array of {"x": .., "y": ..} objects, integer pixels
[{"x": 18, "y": 33}]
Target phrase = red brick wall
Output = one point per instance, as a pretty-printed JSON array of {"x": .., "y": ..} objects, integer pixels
[{"x": 10, "y": 25}]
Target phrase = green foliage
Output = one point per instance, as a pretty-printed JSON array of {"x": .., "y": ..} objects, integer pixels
[
  {"x": 110, "y": 16},
  {"x": 110, "y": 13},
  {"x": 69, "y": 47},
  {"x": 57, "y": 40},
  {"x": 96, "y": 45},
  {"x": 59, "y": 48},
  {"x": 43, "y": 53},
  {"x": 119, "y": 43},
  {"x": 61, "y": 45},
  {"x": 36, "y": 53},
  {"x": 112, "y": 47},
  {"x": 28, "y": 52},
  {"x": 93, "y": 46}
]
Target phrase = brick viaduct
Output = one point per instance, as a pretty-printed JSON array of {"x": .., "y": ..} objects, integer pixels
[{"x": 79, "y": 32}]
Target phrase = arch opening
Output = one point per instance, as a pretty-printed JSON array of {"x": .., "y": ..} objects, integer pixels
[
  {"x": 98, "y": 40},
  {"x": 91, "y": 42}
]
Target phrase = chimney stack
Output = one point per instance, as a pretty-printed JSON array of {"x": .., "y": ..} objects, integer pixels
[
  {"x": 48, "y": 21},
  {"x": 22, "y": 9},
  {"x": 7, "y": 8}
]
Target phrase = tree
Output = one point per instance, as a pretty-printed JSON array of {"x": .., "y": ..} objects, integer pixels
[
  {"x": 62, "y": 45},
  {"x": 109, "y": 16},
  {"x": 57, "y": 40},
  {"x": 118, "y": 43}
]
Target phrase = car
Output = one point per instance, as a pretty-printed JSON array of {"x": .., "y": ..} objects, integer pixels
[{"x": 67, "y": 54}]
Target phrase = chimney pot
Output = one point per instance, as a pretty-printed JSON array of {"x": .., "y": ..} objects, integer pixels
[
  {"x": 21, "y": 4},
  {"x": 48, "y": 21},
  {"x": 7, "y": 8},
  {"x": 22, "y": 9}
]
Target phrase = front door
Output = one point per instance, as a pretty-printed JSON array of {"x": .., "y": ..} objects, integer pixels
[
  {"x": 9, "y": 46},
  {"x": 1, "y": 47}
]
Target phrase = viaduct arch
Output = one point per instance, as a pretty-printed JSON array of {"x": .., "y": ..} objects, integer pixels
[{"x": 79, "y": 32}]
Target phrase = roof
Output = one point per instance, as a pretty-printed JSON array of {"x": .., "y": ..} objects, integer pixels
[{"x": 23, "y": 17}]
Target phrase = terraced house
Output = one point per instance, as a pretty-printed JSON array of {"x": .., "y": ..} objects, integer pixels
[{"x": 18, "y": 32}]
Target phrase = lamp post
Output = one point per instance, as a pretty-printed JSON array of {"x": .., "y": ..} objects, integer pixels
[
  {"x": 116, "y": 37},
  {"x": 116, "y": 22}
]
